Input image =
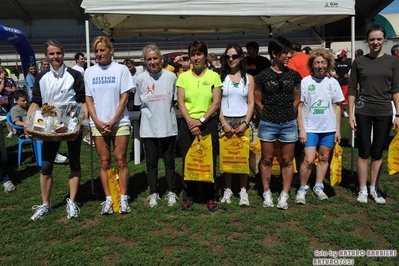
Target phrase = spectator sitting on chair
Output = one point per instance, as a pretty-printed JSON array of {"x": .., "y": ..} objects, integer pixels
[
  {"x": 7, "y": 88},
  {"x": 18, "y": 112}
]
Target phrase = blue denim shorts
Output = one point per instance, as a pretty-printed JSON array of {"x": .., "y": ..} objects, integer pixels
[
  {"x": 284, "y": 132},
  {"x": 324, "y": 139}
]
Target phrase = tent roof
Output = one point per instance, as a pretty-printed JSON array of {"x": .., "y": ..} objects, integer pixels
[{"x": 135, "y": 17}]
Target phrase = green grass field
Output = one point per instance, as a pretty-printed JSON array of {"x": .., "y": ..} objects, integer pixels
[{"x": 169, "y": 236}]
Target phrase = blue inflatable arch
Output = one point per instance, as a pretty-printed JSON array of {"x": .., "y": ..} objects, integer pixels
[{"x": 21, "y": 44}]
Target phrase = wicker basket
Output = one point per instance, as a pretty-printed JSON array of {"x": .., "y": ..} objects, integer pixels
[{"x": 55, "y": 137}]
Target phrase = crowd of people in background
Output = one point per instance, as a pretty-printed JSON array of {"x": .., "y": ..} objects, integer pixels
[{"x": 298, "y": 96}]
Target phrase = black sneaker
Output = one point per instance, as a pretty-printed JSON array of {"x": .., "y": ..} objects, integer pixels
[
  {"x": 212, "y": 205},
  {"x": 186, "y": 205}
]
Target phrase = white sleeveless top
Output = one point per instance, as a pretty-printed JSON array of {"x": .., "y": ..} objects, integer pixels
[{"x": 234, "y": 97}]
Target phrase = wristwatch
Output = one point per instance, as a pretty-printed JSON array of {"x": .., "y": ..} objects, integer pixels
[{"x": 202, "y": 119}]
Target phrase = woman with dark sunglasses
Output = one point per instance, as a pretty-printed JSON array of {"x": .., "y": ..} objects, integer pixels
[
  {"x": 237, "y": 108},
  {"x": 277, "y": 93}
]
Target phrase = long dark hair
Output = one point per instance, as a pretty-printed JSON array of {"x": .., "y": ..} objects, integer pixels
[{"x": 226, "y": 68}]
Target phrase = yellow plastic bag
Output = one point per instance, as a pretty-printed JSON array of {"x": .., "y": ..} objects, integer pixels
[
  {"x": 234, "y": 153},
  {"x": 114, "y": 188},
  {"x": 276, "y": 164},
  {"x": 336, "y": 166},
  {"x": 393, "y": 155},
  {"x": 198, "y": 165}
]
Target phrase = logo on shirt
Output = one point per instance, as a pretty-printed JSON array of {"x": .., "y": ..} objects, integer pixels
[
  {"x": 312, "y": 87},
  {"x": 319, "y": 107},
  {"x": 329, "y": 87},
  {"x": 150, "y": 90},
  {"x": 104, "y": 80}
]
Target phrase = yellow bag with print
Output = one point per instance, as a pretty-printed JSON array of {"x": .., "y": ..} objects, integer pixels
[
  {"x": 198, "y": 164},
  {"x": 234, "y": 153},
  {"x": 114, "y": 188},
  {"x": 393, "y": 155},
  {"x": 276, "y": 164},
  {"x": 336, "y": 166}
]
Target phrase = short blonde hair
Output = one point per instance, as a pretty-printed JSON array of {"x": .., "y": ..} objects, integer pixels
[
  {"x": 102, "y": 39},
  {"x": 329, "y": 57}
]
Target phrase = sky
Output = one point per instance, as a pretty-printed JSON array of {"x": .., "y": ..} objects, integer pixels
[{"x": 392, "y": 8}]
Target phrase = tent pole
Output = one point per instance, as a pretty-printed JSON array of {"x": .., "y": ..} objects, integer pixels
[
  {"x": 88, "y": 65},
  {"x": 353, "y": 57}
]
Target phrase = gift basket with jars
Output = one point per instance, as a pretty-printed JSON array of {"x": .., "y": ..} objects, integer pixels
[{"x": 57, "y": 123}]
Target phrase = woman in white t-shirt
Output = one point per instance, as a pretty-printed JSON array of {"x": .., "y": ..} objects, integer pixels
[
  {"x": 156, "y": 96},
  {"x": 236, "y": 109},
  {"x": 107, "y": 90},
  {"x": 319, "y": 117}
]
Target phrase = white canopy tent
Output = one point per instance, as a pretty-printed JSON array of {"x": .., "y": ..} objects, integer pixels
[
  {"x": 133, "y": 17},
  {"x": 122, "y": 18}
]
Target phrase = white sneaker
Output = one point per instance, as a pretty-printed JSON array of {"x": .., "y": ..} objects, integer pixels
[
  {"x": 318, "y": 191},
  {"x": 268, "y": 199},
  {"x": 377, "y": 197},
  {"x": 10, "y": 134},
  {"x": 154, "y": 198},
  {"x": 172, "y": 198},
  {"x": 124, "y": 207},
  {"x": 346, "y": 114},
  {"x": 72, "y": 209},
  {"x": 41, "y": 210},
  {"x": 107, "y": 207},
  {"x": 243, "y": 198},
  {"x": 59, "y": 158},
  {"x": 301, "y": 196},
  {"x": 282, "y": 201},
  {"x": 362, "y": 197},
  {"x": 227, "y": 196},
  {"x": 87, "y": 140},
  {"x": 8, "y": 186}
]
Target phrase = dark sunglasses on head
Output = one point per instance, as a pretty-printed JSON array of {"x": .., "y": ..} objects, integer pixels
[{"x": 233, "y": 56}]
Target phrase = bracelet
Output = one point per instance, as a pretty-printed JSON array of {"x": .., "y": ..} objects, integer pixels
[
  {"x": 224, "y": 124},
  {"x": 246, "y": 123},
  {"x": 396, "y": 115}
]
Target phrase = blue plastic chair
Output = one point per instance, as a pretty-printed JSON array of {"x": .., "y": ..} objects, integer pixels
[{"x": 37, "y": 145}]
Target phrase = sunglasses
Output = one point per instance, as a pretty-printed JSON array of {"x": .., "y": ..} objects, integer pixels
[
  {"x": 280, "y": 81},
  {"x": 233, "y": 56},
  {"x": 56, "y": 53}
]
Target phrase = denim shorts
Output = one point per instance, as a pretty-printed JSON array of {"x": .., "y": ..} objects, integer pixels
[
  {"x": 324, "y": 139},
  {"x": 283, "y": 132}
]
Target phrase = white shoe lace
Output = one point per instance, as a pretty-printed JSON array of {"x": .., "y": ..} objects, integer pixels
[
  {"x": 107, "y": 207},
  {"x": 227, "y": 195},
  {"x": 40, "y": 211},
  {"x": 172, "y": 198},
  {"x": 244, "y": 198},
  {"x": 268, "y": 200},
  {"x": 153, "y": 198},
  {"x": 72, "y": 209},
  {"x": 124, "y": 205}
]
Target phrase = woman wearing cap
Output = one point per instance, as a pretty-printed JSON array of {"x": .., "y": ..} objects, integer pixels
[
  {"x": 198, "y": 96},
  {"x": 277, "y": 94},
  {"x": 237, "y": 108},
  {"x": 378, "y": 79},
  {"x": 156, "y": 96}
]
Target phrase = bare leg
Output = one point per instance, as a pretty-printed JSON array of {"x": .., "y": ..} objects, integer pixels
[
  {"x": 287, "y": 171},
  {"x": 265, "y": 166}
]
